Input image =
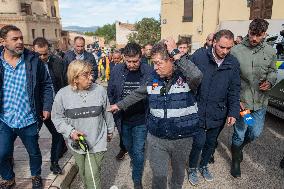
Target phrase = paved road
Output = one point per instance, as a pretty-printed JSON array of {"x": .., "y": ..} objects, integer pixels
[{"x": 260, "y": 168}]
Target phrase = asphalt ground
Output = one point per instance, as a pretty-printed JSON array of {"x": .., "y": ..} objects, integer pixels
[{"x": 260, "y": 168}]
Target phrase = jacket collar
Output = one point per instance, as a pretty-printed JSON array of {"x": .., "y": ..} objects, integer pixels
[
  {"x": 28, "y": 55},
  {"x": 84, "y": 53},
  {"x": 227, "y": 63},
  {"x": 247, "y": 44},
  {"x": 142, "y": 68}
]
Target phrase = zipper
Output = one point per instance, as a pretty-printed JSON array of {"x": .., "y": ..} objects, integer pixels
[
  {"x": 165, "y": 105},
  {"x": 253, "y": 91}
]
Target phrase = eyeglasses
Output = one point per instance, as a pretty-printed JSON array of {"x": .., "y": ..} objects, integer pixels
[
  {"x": 163, "y": 91},
  {"x": 86, "y": 75}
]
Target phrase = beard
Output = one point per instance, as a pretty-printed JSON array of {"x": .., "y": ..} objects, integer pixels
[{"x": 15, "y": 51}]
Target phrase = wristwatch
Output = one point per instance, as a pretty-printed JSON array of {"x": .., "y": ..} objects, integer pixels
[{"x": 174, "y": 52}]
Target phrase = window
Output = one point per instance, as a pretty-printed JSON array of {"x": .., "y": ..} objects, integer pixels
[
  {"x": 26, "y": 8},
  {"x": 33, "y": 33},
  {"x": 53, "y": 11},
  {"x": 43, "y": 33},
  {"x": 56, "y": 33},
  {"x": 188, "y": 11},
  {"x": 261, "y": 9}
]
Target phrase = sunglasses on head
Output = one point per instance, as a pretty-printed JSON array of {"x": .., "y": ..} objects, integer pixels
[{"x": 163, "y": 91}]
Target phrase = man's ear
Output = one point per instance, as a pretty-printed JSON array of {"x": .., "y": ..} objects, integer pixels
[
  {"x": 214, "y": 43},
  {"x": 265, "y": 34},
  {"x": 1, "y": 40}
]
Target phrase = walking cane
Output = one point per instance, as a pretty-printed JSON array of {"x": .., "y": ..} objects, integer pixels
[{"x": 85, "y": 147}]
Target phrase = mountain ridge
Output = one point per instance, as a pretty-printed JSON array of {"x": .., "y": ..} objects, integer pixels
[{"x": 81, "y": 29}]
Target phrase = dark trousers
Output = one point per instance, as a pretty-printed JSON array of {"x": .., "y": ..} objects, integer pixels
[
  {"x": 121, "y": 145},
  {"x": 210, "y": 145},
  {"x": 29, "y": 136},
  {"x": 58, "y": 142},
  {"x": 197, "y": 146}
]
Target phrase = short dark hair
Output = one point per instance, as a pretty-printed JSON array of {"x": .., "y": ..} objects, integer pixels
[
  {"x": 41, "y": 42},
  {"x": 147, "y": 45},
  {"x": 79, "y": 38},
  {"x": 182, "y": 41},
  {"x": 241, "y": 37},
  {"x": 258, "y": 26},
  {"x": 6, "y": 29},
  {"x": 161, "y": 49},
  {"x": 132, "y": 49},
  {"x": 223, "y": 33},
  {"x": 116, "y": 51}
]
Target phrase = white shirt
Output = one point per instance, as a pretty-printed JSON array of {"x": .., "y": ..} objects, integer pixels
[{"x": 218, "y": 61}]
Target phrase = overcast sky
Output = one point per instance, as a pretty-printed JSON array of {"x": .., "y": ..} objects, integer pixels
[{"x": 100, "y": 12}]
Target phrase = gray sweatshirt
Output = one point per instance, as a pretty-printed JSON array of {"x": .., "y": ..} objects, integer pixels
[{"x": 83, "y": 111}]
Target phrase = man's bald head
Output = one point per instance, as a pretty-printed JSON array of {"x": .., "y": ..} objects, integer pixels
[{"x": 209, "y": 39}]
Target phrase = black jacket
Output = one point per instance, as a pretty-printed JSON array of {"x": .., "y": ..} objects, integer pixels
[
  {"x": 56, "y": 70},
  {"x": 219, "y": 93},
  {"x": 70, "y": 56},
  {"x": 116, "y": 84}
]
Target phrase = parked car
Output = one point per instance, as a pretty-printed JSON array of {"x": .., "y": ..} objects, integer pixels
[{"x": 276, "y": 101}]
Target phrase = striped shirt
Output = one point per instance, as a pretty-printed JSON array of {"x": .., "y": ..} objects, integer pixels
[{"x": 17, "y": 112}]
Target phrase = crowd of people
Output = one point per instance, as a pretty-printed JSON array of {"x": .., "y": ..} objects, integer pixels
[{"x": 160, "y": 98}]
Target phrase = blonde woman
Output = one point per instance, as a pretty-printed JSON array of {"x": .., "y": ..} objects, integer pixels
[{"x": 80, "y": 109}]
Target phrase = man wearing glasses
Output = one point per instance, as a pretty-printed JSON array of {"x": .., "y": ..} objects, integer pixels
[
  {"x": 125, "y": 78},
  {"x": 172, "y": 119}
]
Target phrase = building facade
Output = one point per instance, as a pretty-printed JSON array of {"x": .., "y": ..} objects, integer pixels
[
  {"x": 35, "y": 18},
  {"x": 195, "y": 19},
  {"x": 123, "y": 30}
]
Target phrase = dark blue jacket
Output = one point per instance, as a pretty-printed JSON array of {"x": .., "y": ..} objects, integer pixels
[
  {"x": 116, "y": 84},
  {"x": 38, "y": 84},
  {"x": 172, "y": 104},
  {"x": 145, "y": 60},
  {"x": 70, "y": 56},
  {"x": 173, "y": 114},
  {"x": 219, "y": 93}
]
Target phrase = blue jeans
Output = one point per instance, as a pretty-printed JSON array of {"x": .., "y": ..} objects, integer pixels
[
  {"x": 134, "y": 140},
  {"x": 244, "y": 133},
  {"x": 29, "y": 136}
]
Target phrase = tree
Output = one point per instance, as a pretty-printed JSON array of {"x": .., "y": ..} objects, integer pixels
[
  {"x": 90, "y": 33},
  {"x": 107, "y": 31},
  {"x": 148, "y": 31}
]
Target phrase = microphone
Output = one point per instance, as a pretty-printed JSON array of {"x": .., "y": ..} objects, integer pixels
[{"x": 248, "y": 119}]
